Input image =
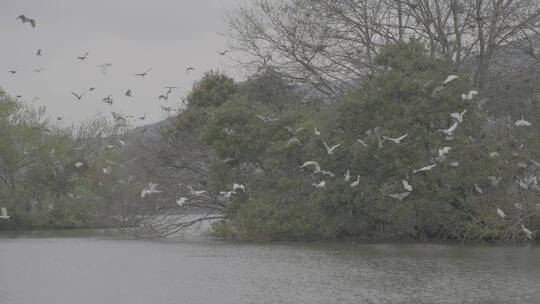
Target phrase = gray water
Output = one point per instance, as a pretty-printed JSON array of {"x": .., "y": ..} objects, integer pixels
[{"x": 96, "y": 269}]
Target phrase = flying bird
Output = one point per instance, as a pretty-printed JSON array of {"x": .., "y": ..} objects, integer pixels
[
  {"x": 239, "y": 187},
  {"x": 426, "y": 168},
  {"x": 317, "y": 133},
  {"x": 182, "y": 201},
  {"x": 83, "y": 57},
  {"x": 39, "y": 52},
  {"x": 107, "y": 170},
  {"x": 3, "y": 214},
  {"x": 223, "y": 53},
  {"x": 266, "y": 119},
  {"x": 108, "y": 100},
  {"x": 470, "y": 95},
  {"x": 458, "y": 116},
  {"x": 501, "y": 213},
  {"x": 294, "y": 131},
  {"x": 399, "y": 196},
  {"x": 143, "y": 73},
  {"x": 363, "y": 143},
  {"x": 450, "y": 131},
  {"x": 406, "y": 185},
  {"x": 189, "y": 69},
  {"x": 319, "y": 185},
  {"x": 25, "y": 19},
  {"x": 450, "y": 78},
  {"x": 347, "y": 176},
  {"x": 330, "y": 150},
  {"x": 294, "y": 140},
  {"x": 37, "y": 70},
  {"x": 478, "y": 189},
  {"x": 150, "y": 189},
  {"x": 356, "y": 182},
  {"x": 196, "y": 192},
  {"x": 78, "y": 164},
  {"x": 527, "y": 232},
  {"x": 312, "y": 163},
  {"x": 522, "y": 123},
  {"x": 128, "y": 93},
  {"x": 78, "y": 96},
  {"x": 12, "y": 71},
  {"x": 396, "y": 140}
]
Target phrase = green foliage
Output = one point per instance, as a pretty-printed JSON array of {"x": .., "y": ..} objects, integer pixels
[{"x": 212, "y": 90}]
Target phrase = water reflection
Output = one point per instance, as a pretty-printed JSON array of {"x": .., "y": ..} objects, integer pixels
[{"x": 95, "y": 269}]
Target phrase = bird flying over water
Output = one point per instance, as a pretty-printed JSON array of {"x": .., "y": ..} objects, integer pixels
[{"x": 25, "y": 19}]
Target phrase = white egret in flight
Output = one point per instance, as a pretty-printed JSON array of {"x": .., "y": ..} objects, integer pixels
[
  {"x": 426, "y": 168},
  {"x": 330, "y": 150},
  {"x": 458, "y": 116},
  {"x": 450, "y": 78}
]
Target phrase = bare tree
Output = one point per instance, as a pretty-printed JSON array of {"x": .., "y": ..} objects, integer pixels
[{"x": 331, "y": 44}]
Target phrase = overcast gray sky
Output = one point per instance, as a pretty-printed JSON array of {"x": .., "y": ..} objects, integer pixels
[{"x": 133, "y": 35}]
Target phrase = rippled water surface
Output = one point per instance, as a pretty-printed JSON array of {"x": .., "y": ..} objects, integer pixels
[{"x": 95, "y": 269}]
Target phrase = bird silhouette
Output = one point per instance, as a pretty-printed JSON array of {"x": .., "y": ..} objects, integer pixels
[
  {"x": 37, "y": 70},
  {"x": 83, "y": 57},
  {"x": 150, "y": 189},
  {"x": 223, "y": 53},
  {"x": 501, "y": 213},
  {"x": 128, "y": 93},
  {"x": 470, "y": 95},
  {"x": 143, "y": 73},
  {"x": 320, "y": 185},
  {"x": 39, "y": 52},
  {"x": 78, "y": 96},
  {"x": 25, "y": 19},
  {"x": 266, "y": 119},
  {"x": 189, "y": 69},
  {"x": 12, "y": 71},
  {"x": 108, "y": 99},
  {"x": 406, "y": 185},
  {"x": 181, "y": 201}
]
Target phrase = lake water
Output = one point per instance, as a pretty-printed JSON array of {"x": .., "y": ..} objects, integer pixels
[{"x": 90, "y": 269}]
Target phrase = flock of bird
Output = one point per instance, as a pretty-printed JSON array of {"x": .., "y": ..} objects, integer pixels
[
  {"x": 151, "y": 188},
  {"x": 407, "y": 187},
  {"x": 109, "y": 99}
]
